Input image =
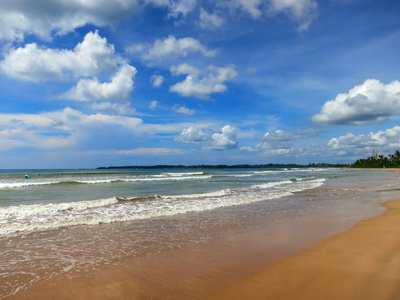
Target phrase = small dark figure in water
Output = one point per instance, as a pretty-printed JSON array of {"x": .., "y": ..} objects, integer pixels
[{"x": 27, "y": 176}]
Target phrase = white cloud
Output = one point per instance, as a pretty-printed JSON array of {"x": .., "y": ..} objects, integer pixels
[
  {"x": 171, "y": 47},
  {"x": 157, "y": 80},
  {"x": 250, "y": 6},
  {"x": 201, "y": 88},
  {"x": 301, "y": 11},
  {"x": 280, "y": 142},
  {"x": 61, "y": 129},
  {"x": 47, "y": 17},
  {"x": 224, "y": 140},
  {"x": 210, "y": 21},
  {"x": 122, "y": 108},
  {"x": 175, "y": 7},
  {"x": 348, "y": 147},
  {"x": 183, "y": 110},
  {"x": 287, "y": 136},
  {"x": 153, "y": 104},
  {"x": 58, "y": 17},
  {"x": 119, "y": 88},
  {"x": 90, "y": 58},
  {"x": 382, "y": 140},
  {"x": 194, "y": 135},
  {"x": 369, "y": 103},
  {"x": 184, "y": 69},
  {"x": 211, "y": 141},
  {"x": 87, "y": 59}
]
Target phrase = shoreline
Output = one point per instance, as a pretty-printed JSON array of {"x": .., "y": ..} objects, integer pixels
[
  {"x": 360, "y": 263},
  {"x": 199, "y": 271},
  {"x": 219, "y": 267}
]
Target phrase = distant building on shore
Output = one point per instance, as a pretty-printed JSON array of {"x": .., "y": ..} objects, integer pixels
[{"x": 378, "y": 155}]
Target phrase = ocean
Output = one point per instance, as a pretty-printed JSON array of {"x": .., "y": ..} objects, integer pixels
[{"x": 76, "y": 221}]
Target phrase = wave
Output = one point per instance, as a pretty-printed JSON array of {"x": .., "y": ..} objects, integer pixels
[
  {"x": 37, "y": 217},
  {"x": 22, "y": 211},
  {"x": 30, "y": 183},
  {"x": 183, "y": 174},
  {"x": 165, "y": 176}
]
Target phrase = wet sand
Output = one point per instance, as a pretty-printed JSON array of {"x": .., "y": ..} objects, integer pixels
[
  {"x": 335, "y": 252},
  {"x": 229, "y": 268},
  {"x": 360, "y": 263}
]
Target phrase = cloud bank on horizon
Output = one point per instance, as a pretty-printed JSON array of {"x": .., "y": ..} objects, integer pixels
[{"x": 91, "y": 83}]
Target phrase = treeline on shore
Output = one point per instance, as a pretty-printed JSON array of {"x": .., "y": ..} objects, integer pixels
[
  {"x": 242, "y": 166},
  {"x": 379, "y": 161}
]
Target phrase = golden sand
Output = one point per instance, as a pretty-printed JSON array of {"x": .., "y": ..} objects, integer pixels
[
  {"x": 360, "y": 263},
  {"x": 274, "y": 263}
]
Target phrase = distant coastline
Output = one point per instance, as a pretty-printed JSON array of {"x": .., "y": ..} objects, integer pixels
[{"x": 241, "y": 166}]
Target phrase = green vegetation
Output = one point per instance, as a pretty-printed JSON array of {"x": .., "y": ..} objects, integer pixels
[{"x": 379, "y": 162}]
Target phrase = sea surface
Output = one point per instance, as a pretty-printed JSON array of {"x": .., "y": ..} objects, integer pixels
[{"x": 71, "y": 221}]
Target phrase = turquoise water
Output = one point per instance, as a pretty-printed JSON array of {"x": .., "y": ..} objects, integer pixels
[
  {"x": 50, "y": 199},
  {"x": 68, "y": 221}
]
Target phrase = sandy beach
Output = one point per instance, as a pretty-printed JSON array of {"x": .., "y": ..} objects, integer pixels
[
  {"x": 361, "y": 263},
  {"x": 344, "y": 245}
]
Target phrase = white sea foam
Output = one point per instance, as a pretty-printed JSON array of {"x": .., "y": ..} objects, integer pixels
[
  {"x": 68, "y": 180},
  {"x": 25, "y": 218},
  {"x": 266, "y": 172},
  {"x": 237, "y": 175},
  {"x": 183, "y": 174},
  {"x": 19, "y": 184},
  {"x": 201, "y": 195},
  {"x": 271, "y": 184},
  {"x": 22, "y": 211},
  {"x": 177, "y": 178}
]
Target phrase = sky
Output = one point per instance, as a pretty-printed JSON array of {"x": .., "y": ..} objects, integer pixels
[{"x": 92, "y": 83}]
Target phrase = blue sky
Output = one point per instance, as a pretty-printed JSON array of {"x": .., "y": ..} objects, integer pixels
[{"x": 89, "y": 83}]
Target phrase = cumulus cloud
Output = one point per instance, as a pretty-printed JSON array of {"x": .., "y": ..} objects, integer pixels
[
  {"x": 280, "y": 142},
  {"x": 349, "y": 146},
  {"x": 48, "y": 17},
  {"x": 212, "y": 141},
  {"x": 184, "y": 69},
  {"x": 369, "y": 103},
  {"x": 157, "y": 80},
  {"x": 171, "y": 47},
  {"x": 201, "y": 87},
  {"x": 88, "y": 58},
  {"x": 383, "y": 140},
  {"x": 183, "y": 110},
  {"x": 92, "y": 57},
  {"x": 120, "y": 87},
  {"x": 58, "y": 17},
  {"x": 210, "y": 21},
  {"x": 224, "y": 140},
  {"x": 194, "y": 135}
]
